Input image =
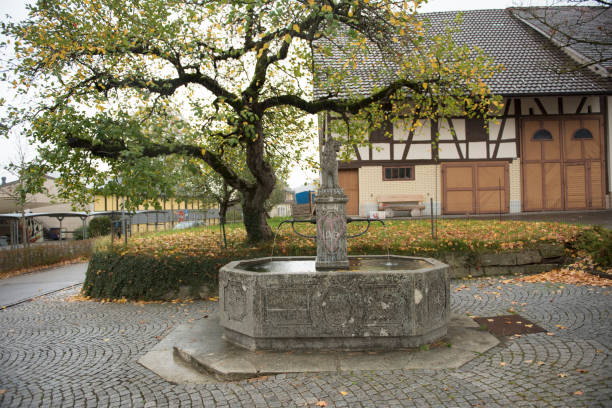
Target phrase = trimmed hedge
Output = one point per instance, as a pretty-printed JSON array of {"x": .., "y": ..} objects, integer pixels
[
  {"x": 155, "y": 265},
  {"x": 112, "y": 275},
  {"x": 597, "y": 242}
]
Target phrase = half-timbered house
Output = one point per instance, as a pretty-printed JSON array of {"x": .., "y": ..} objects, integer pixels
[{"x": 549, "y": 150}]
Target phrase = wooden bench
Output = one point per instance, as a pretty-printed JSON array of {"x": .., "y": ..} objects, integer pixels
[{"x": 392, "y": 203}]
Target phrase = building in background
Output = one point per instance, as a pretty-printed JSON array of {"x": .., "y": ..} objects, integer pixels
[
  {"x": 39, "y": 203},
  {"x": 284, "y": 209},
  {"x": 549, "y": 150}
]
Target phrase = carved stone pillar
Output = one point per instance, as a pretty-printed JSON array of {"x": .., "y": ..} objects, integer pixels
[{"x": 331, "y": 229}]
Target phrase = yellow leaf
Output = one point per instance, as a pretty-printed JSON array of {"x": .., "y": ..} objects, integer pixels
[
  {"x": 321, "y": 404},
  {"x": 296, "y": 28},
  {"x": 343, "y": 392}
]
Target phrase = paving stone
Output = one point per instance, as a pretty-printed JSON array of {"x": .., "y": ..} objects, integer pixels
[{"x": 83, "y": 354}]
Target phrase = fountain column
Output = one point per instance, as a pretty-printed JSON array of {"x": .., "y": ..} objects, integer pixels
[{"x": 330, "y": 205}]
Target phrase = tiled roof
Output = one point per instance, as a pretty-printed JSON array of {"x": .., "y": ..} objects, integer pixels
[
  {"x": 586, "y": 30},
  {"x": 534, "y": 65}
]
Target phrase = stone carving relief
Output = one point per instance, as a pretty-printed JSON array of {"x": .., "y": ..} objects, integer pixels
[
  {"x": 234, "y": 301},
  {"x": 331, "y": 229},
  {"x": 287, "y": 307},
  {"x": 386, "y": 305},
  {"x": 336, "y": 305}
]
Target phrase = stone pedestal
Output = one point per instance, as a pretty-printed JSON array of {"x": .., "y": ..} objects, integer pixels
[{"x": 331, "y": 229}]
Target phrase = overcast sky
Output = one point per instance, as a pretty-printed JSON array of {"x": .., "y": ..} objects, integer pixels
[{"x": 16, "y": 10}]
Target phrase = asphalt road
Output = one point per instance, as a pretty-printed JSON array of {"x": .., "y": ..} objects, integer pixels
[{"x": 20, "y": 288}]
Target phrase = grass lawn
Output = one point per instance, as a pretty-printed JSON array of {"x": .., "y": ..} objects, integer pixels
[{"x": 402, "y": 237}]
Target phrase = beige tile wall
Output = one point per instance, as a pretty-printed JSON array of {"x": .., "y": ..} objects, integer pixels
[{"x": 426, "y": 181}]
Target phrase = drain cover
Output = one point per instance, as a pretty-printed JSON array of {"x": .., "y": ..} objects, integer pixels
[{"x": 508, "y": 325}]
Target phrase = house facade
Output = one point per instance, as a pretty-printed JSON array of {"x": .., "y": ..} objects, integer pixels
[{"x": 549, "y": 150}]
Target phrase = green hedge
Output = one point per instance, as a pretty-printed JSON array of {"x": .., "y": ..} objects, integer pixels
[
  {"x": 115, "y": 273},
  {"x": 154, "y": 265},
  {"x": 112, "y": 275},
  {"x": 597, "y": 242}
]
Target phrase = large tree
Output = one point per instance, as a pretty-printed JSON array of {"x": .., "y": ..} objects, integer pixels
[{"x": 106, "y": 71}]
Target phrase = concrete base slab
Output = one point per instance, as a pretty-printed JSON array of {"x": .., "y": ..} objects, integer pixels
[{"x": 197, "y": 353}]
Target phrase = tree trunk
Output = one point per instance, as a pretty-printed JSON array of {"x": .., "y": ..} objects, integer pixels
[
  {"x": 254, "y": 215},
  {"x": 254, "y": 197},
  {"x": 224, "y": 202}
]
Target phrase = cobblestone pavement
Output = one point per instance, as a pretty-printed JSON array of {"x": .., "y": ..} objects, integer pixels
[{"x": 59, "y": 353}]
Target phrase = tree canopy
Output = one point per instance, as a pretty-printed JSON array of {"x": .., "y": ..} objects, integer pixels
[{"x": 125, "y": 82}]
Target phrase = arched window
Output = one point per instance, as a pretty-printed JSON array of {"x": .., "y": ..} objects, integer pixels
[
  {"x": 542, "y": 134},
  {"x": 583, "y": 134}
]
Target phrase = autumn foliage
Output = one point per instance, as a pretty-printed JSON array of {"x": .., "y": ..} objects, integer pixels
[{"x": 154, "y": 264}]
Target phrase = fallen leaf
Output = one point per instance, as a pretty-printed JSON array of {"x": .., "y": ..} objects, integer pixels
[
  {"x": 550, "y": 334},
  {"x": 562, "y": 375},
  {"x": 528, "y": 361},
  {"x": 489, "y": 320},
  {"x": 343, "y": 392},
  {"x": 106, "y": 340},
  {"x": 582, "y": 370},
  {"x": 503, "y": 364},
  {"x": 529, "y": 325},
  {"x": 262, "y": 378},
  {"x": 578, "y": 392},
  {"x": 2, "y": 392},
  {"x": 540, "y": 363},
  {"x": 321, "y": 404}
]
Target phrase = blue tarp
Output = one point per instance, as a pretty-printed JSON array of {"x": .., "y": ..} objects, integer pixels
[{"x": 303, "y": 197}]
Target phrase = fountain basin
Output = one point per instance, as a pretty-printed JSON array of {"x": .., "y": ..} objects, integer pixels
[{"x": 283, "y": 303}]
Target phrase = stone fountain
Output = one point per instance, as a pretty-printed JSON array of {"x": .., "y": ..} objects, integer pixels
[
  {"x": 318, "y": 308},
  {"x": 335, "y": 301}
]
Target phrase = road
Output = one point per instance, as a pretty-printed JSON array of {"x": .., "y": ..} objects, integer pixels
[{"x": 20, "y": 288}]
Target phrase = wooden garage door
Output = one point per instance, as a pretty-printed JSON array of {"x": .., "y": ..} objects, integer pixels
[
  {"x": 475, "y": 188},
  {"x": 349, "y": 181},
  {"x": 562, "y": 163}
]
